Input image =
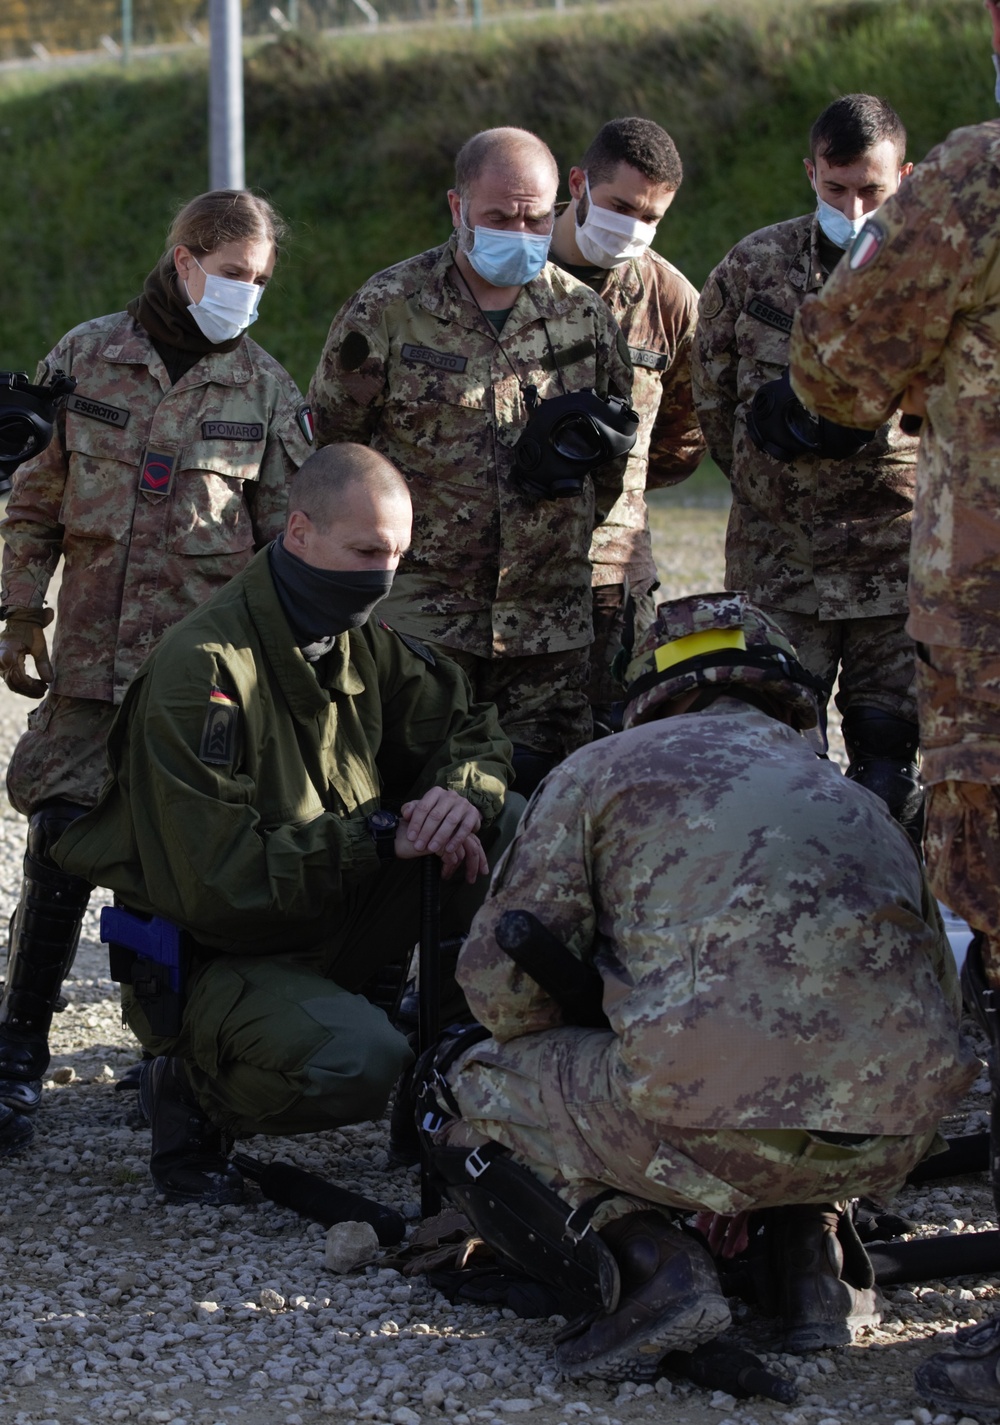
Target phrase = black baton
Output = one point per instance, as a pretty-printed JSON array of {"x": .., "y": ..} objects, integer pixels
[{"x": 429, "y": 996}]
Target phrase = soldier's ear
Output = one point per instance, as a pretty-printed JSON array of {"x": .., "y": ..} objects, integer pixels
[
  {"x": 905, "y": 171},
  {"x": 455, "y": 204},
  {"x": 810, "y": 168}
]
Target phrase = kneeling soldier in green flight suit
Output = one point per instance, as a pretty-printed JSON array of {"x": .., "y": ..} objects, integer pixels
[{"x": 253, "y": 763}]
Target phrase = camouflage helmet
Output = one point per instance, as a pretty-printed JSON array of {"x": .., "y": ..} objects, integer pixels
[{"x": 709, "y": 640}]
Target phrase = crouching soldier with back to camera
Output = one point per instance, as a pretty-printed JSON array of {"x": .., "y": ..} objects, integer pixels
[
  {"x": 712, "y": 977},
  {"x": 254, "y": 765}
]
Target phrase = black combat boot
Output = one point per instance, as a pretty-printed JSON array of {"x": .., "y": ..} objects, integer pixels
[
  {"x": 882, "y": 756},
  {"x": 965, "y": 1377},
  {"x": 45, "y": 930},
  {"x": 189, "y": 1160},
  {"x": 670, "y": 1300},
  {"x": 822, "y": 1301}
]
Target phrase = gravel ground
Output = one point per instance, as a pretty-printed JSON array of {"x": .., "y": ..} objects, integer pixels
[{"x": 115, "y": 1306}]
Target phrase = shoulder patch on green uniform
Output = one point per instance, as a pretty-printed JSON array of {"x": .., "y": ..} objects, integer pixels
[
  {"x": 415, "y": 646},
  {"x": 867, "y": 245},
  {"x": 307, "y": 425},
  {"x": 218, "y": 734},
  {"x": 354, "y": 351},
  {"x": 713, "y": 299}
]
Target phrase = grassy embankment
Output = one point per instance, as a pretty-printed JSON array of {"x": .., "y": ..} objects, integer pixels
[{"x": 354, "y": 139}]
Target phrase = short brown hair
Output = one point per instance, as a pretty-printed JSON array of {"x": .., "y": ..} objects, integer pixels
[
  {"x": 500, "y": 148},
  {"x": 325, "y": 477},
  {"x": 641, "y": 144},
  {"x": 851, "y": 126},
  {"x": 224, "y": 215}
]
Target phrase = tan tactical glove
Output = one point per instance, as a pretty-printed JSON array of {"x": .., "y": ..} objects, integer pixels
[{"x": 22, "y": 637}]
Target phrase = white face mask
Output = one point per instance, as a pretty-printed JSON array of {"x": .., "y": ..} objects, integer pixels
[
  {"x": 226, "y": 308},
  {"x": 607, "y": 239},
  {"x": 839, "y": 228}
]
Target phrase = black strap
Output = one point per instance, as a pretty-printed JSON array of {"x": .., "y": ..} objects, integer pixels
[{"x": 775, "y": 665}]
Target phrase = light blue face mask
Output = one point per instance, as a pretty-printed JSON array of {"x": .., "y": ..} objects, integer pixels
[
  {"x": 507, "y": 259},
  {"x": 839, "y": 228}
]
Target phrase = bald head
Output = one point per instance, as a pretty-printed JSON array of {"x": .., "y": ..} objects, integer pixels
[
  {"x": 508, "y": 154},
  {"x": 348, "y": 508}
]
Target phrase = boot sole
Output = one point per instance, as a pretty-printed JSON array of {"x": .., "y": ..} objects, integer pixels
[
  {"x": 826, "y": 1335},
  {"x": 944, "y": 1399},
  {"x": 226, "y": 1197},
  {"x": 637, "y": 1357},
  {"x": 22, "y": 1097}
]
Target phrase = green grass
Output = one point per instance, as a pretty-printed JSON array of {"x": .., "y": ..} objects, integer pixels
[{"x": 354, "y": 139}]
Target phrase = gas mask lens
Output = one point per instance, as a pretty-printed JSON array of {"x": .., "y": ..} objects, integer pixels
[{"x": 576, "y": 438}]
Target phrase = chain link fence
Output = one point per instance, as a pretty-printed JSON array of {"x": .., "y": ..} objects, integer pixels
[{"x": 41, "y": 29}]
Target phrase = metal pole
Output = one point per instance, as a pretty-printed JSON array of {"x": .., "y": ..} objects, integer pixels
[
  {"x": 477, "y": 14},
  {"x": 126, "y": 31},
  {"x": 225, "y": 97},
  {"x": 293, "y": 13}
]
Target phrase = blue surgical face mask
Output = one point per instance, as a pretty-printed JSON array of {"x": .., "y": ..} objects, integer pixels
[
  {"x": 839, "y": 228},
  {"x": 507, "y": 259}
]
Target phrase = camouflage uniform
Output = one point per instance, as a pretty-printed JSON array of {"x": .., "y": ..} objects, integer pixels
[
  {"x": 774, "y": 970},
  {"x": 254, "y": 840},
  {"x": 918, "y": 298},
  {"x": 655, "y": 307},
  {"x": 154, "y": 495},
  {"x": 823, "y": 540},
  {"x": 414, "y": 369}
]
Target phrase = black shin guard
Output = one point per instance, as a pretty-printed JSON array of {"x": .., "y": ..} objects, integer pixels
[
  {"x": 882, "y": 756},
  {"x": 45, "y": 929}
]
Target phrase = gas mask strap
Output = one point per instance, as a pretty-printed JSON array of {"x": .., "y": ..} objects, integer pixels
[{"x": 528, "y": 391}]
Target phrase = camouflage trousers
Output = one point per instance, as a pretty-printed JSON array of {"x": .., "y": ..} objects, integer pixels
[
  {"x": 959, "y": 699},
  {"x": 609, "y": 620},
  {"x": 541, "y": 699},
  {"x": 62, "y": 754},
  {"x": 873, "y": 656},
  {"x": 285, "y": 1044},
  {"x": 551, "y": 1098}
]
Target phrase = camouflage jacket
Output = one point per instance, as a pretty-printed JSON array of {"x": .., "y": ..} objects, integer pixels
[
  {"x": 243, "y": 775},
  {"x": 154, "y": 495},
  {"x": 771, "y": 955},
  {"x": 811, "y": 535},
  {"x": 412, "y": 368},
  {"x": 919, "y": 301},
  {"x": 656, "y": 309}
]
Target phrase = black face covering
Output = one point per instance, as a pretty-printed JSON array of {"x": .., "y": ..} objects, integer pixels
[{"x": 322, "y": 603}]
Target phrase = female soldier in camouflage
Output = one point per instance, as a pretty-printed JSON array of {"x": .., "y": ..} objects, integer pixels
[{"x": 167, "y": 471}]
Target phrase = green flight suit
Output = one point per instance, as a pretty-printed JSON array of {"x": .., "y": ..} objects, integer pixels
[{"x": 242, "y": 776}]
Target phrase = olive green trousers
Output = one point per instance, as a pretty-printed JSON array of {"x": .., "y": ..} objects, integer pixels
[{"x": 282, "y": 1044}]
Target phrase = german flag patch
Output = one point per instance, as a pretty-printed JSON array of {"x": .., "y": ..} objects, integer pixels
[{"x": 218, "y": 735}]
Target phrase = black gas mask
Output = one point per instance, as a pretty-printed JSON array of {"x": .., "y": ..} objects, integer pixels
[
  {"x": 566, "y": 438},
  {"x": 779, "y": 424},
  {"x": 26, "y": 416}
]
